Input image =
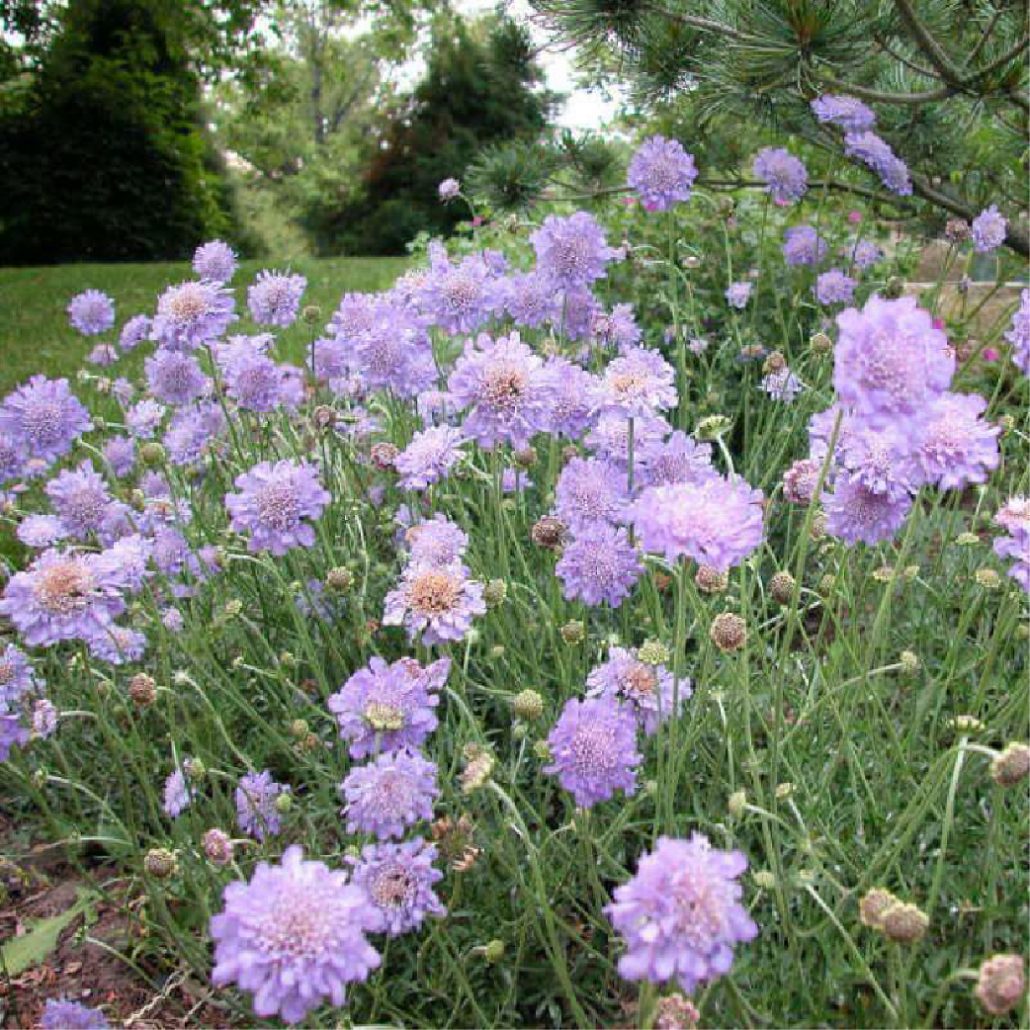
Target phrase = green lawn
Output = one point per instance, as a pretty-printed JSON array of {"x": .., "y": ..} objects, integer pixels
[{"x": 35, "y": 335}]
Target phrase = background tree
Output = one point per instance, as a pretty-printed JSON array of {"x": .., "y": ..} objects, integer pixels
[{"x": 947, "y": 78}]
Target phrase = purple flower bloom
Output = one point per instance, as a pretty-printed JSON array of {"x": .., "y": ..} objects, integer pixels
[
  {"x": 81, "y": 500},
  {"x": 436, "y": 541},
  {"x": 256, "y": 810},
  {"x": 215, "y": 260},
  {"x": 662, "y": 172},
  {"x": 192, "y": 314},
  {"x": 802, "y": 245},
  {"x": 531, "y": 300},
  {"x": 103, "y": 355},
  {"x": 59, "y": 1014},
  {"x": 144, "y": 418},
  {"x": 120, "y": 454},
  {"x": 17, "y": 677},
  {"x": 63, "y": 596},
  {"x": 274, "y": 502},
  {"x": 738, "y": 294},
  {"x": 44, "y": 718},
  {"x": 175, "y": 377},
  {"x": 638, "y": 382},
  {"x": 879, "y": 458},
  {"x": 679, "y": 459},
  {"x": 91, "y": 312},
  {"x": 569, "y": 398},
  {"x": 389, "y": 707},
  {"x": 389, "y": 794},
  {"x": 461, "y": 297},
  {"x": 12, "y": 734},
  {"x": 681, "y": 915},
  {"x": 257, "y": 383},
  {"x": 448, "y": 190},
  {"x": 293, "y": 936},
  {"x": 800, "y": 481},
  {"x": 590, "y": 491},
  {"x": 503, "y": 384},
  {"x": 600, "y": 564},
  {"x": 572, "y": 251},
  {"x": 845, "y": 112},
  {"x": 609, "y": 438},
  {"x": 274, "y": 297},
  {"x": 782, "y": 385},
  {"x": 989, "y": 228},
  {"x": 784, "y": 174},
  {"x": 618, "y": 328},
  {"x": 855, "y": 513},
  {"x": 864, "y": 254},
  {"x": 43, "y": 418},
  {"x": 10, "y": 458},
  {"x": 650, "y": 690},
  {"x": 890, "y": 360},
  {"x": 436, "y": 602},
  {"x": 593, "y": 749},
  {"x": 1014, "y": 517},
  {"x": 834, "y": 287},
  {"x": 134, "y": 332},
  {"x": 716, "y": 522},
  {"x": 395, "y": 354},
  {"x": 177, "y": 793},
  {"x": 39, "y": 531},
  {"x": 193, "y": 431},
  {"x": 958, "y": 447},
  {"x": 399, "y": 880},
  {"x": 1018, "y": 334},
  {"x": 118, "y": 645},
  {"x": 877, "y": 155},
  {"x": 431, "y": 454},
  {"x": 580, "y": 310}
]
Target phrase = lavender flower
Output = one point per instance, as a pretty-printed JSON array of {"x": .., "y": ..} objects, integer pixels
[
  {"x": 877, "y": 155},
  {"x": 91, "y": 312},
  {"x": 12, "y": 734},
  {"x": 274, "y": 503},
  {"x": 293, "y": 936},
  {"x": 650, "y": 690},
  {"x": 784, "y": 174},
  {"x": 879, "y": 458},
  {"x": 531, "y": 300},
  {"x": 662, "y": 173},
  {"x": 681, "y": 915},
  {"x": 431, "y": 454},
  {"x": 434, "y": 602},
  {"x": 834, "y": 287},
  {"x": 103, "y": 355},
  {"x": 716, "y": 522},
  {"x": 679, "y": 459},
  {"x": 448, "y": 190},
  {"x": 395, "y": 355},
  {"x": 590, "y": 491},
  {"x": 1014, "y": 517},
  {"x": 989, "y": 228},
  {"x": 738, "y": 294},
  {"x": 388, "y": 707},
  {"x": 274, "y": 297},
  {"x": 44, "y": 718},
  {"x": 257, "y": 383},
  {"x": 118, "y": 645},
  {"x": 175, "y": 377},
  {"x": 134, "y": 332},
  {"x": 460, "y": 297},
  {"x": 593, "y": 749},
  {"x": 845, "y": 112},
  {"x": 82, "y": 502},
  {"x": 144, "y": 418},
  {"x": 864, "y": 254},
  {"x": 572, "y": 251},
  {"x": 618, "y": 328},
  {"x": 638, "y": 382},
  {"x": 257, "y": 811},
  {"x": 192, "y": 314},
  {"x": 40, "y": 531},
  {"x": 782, "y": 385},
  {"x": 399, "y": 879},
  {"x": 59, "y": 1014},
  {"x": 890, "y": 361},
  {"x": 599, "y": 565},
  {"x": 502, "y": 383},
  {"x": 43, "y": 418},
  {"x": 609, "y": 438},
  {"x": 854, "y": 513},
  {"x": 17, "y": 677},
  {"x": 569, "y": 398},
  {"x": 802, "y": 245},
  {"x": 958, "y": 447},
  {"x": 215, "y": 260},
  {"x": 389, "y": 794},
  {"x": 1018, "y": 334},
  {"x": 435, "y": 542},
  {"x": 177, "y": 793}
]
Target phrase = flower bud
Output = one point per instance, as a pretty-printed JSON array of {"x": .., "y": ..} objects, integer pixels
[
  {"x": 675, "y": 1012},
  {"x": 737, "y": 803},
  {"x": 526, "y": 457},
  {"x": 528, "y": 705},
  {"x": 910, "y": 663},
  {"x": 152, "y": 453},
  {"x": 494, "y": 593},
  {"x": 653, "y": 652},
  {"x": 894, "y": 287},
  {"x": 1001, "y": 984},
  {"x": 493, "y": 952},
  {"x": 820, "y": 343},
  {"x": 1012, "y": 765},
  {"x": 283, "y": 803},
  {"x": 712, "y": 427},
  {"x": 383, "y": 455},
  {"x": 218, "y": 847},
  {"x": 160, "y": 863},
  {"x": 311, "y": 314},
  {"x": 987, "y": 578},
  {"x": 781, "y": 587},
  {"x": 340, "y": 579},
  {"x": 765, "y": 879},
  {"x": 573, "y": 632},
  {"x": 548, "y": 532}
]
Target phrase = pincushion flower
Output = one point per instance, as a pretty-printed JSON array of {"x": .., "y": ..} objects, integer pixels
[
  {"x": 569, "y": 403},
  {"x": 680, "y": 915},
  {"x": 679, "y": 459},
  {"x": 177, "y": 793},
  {"x": 802, "y": 245},
  {"x": 396, "y": 355},
  {"x": 531, "y": 300},
  {"x": 215, "y": 260},
  {"x": 845, "y": 112},
  {"x": 399, "y": 880},
  {"x": 834, "y": 287},
  {"x": 389, "y": 794},
  {"x": 91, "y": 312},
  {"x": 738, "y": 294},
  {"x": 662, "y": 173},
  {"x": 590, "y": 491},
  {"x": 460, "y": 297},
  {"x": 599, "y": 565},
  {"x": 257, "y": 383},
  {"x": 572, "y": 251},
  {"x": 274, "y": 297},
  {"x": 593, "y": 748},
  {"x": 448, "y": 189},
  {"x": 609, "y": 437},
  {"x": 502, "y": 384},
  {"x": 864, "y": 254},
  {"x": 275, "y": 502},
  {"x": 716, "y": 522},
  {"x": 784, "y": 174},
  {"x": 43, "y": 418},
  {"x": 40, "y": 531},
  {"x": 431, "y": 454},
  {"x": 436, "y": 541},
  {"x": 134, "y": 332},
  {"x": 638, "y": 382},
  {"x": 192, "y": 314},
  {"x": 17, "y": 677},
  {"x": 1014, "y": 517},
  {"x": 294, "y": 936},
  {"x": 82, "y": 501},
  {"x": 256, "y": 810},
  {"x": 890, "y": 360},
  {"x": 958, "y": 446},
  {"x": 143, "y": 418},
  {"x": 434, "y": 602},
  {"x": 782, "y": 385},
  {"x": 618, "y": 328},
  {"x": 1018, "y": 334},
  {"x": 389, "y": 706},
  {"x": 650, "y": 690},
  {"x": 13, "y": 734},
  {"x": 879, "y": 458},
  {"x": 175, "y": 377},
  {"x": 857, "y": 514},
  {"x": 877, "y": 155},
  {"x": 989, "y": 228},
  {"x": 59, "y": 1014}
]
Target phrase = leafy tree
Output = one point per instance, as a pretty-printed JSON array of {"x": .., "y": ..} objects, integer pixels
[{"x": 947, "y": 78}]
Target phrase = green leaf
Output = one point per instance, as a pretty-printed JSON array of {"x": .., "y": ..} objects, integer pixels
[{"x": 21, "y": 953}]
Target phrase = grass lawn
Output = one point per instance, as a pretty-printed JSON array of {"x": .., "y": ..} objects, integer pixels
[{"x": 35, "y": 335}]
